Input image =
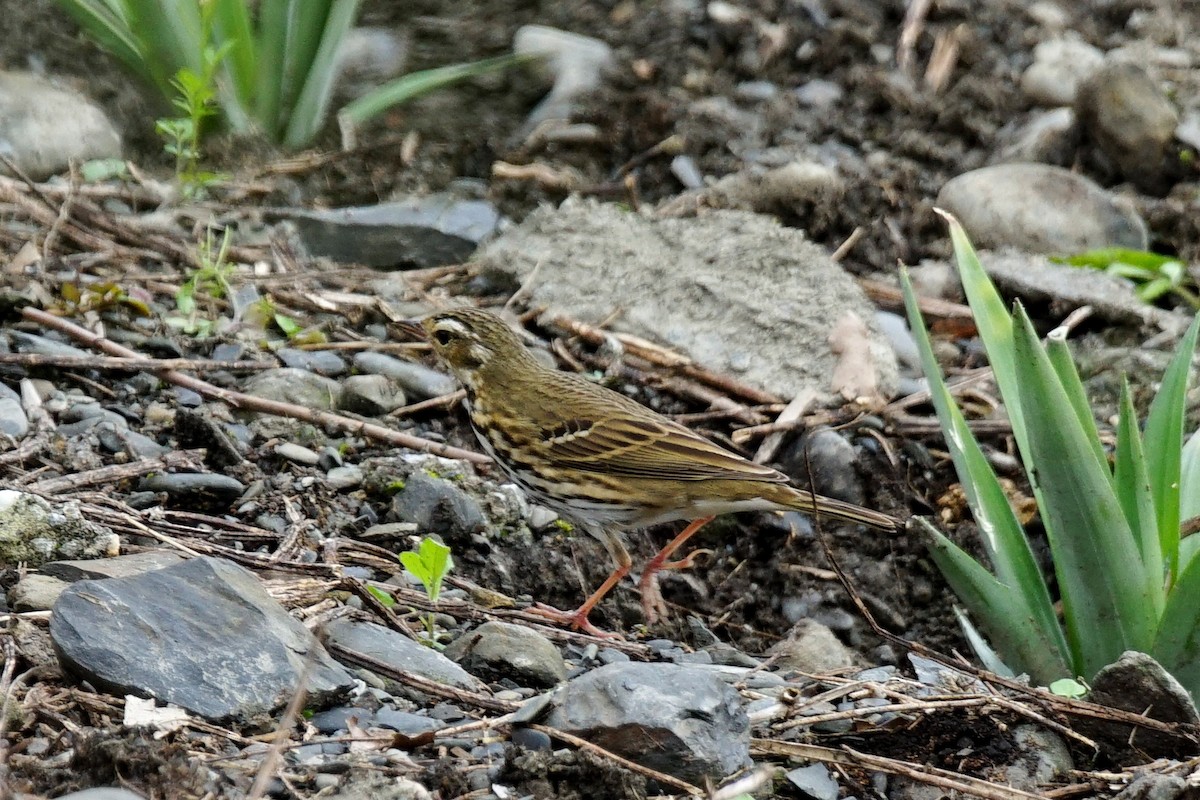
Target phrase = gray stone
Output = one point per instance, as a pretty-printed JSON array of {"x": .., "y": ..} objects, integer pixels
[
  {"x": 13, "y": 421},
  {"x": 1153, "y": 786},
  {"x": 322, "y": 362},
  {"x": 1126, "y": 113},
  {"x": 420, "y": 231},
  {"x": 44, "y": 126},
  {"x": 1059, "y": 67},
  {"x": 1037, "y": 279},
  {"x": 1040, "y": 209},
  {"x": 296, "y": 386},
  {"x": 815, "y": 781},
  {"x": 34, "y": 532},
  {"x": 823, "y": 458},
  {"x": 342, "y": 478},
  {"x": 297, "y": 453},
  {"x": 1138, "y": 683},
  {"x": 102, "y": 793},
  {"x": 498, "y": 650},
  {"x": 204, "y": 635},
  {"x": 406, "y": 722},
  {"x": 416, "y": 379},
  {"x": 117, "y": 567},
  {"x": 369, "y": 56},
  {"x": 1046, "y": 137},
  {"x": 1042, "y": 758},
  {"x": 683, "y": 721},
  {"x": 399, "y": 651},
  {"x": 812, "y": 648},
  {"x": 35, "y": 592},
  {"x": 577, "y": 63},
  {"x": 369, "y": 786},
  {"x": 437, "y": 504},
  {"x": 370, "y": 395},
  {"x": 721, "y": 288},
  {"x": 195, "y": 491}
]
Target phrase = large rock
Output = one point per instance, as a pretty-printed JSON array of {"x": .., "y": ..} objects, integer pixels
[
  {"x": 45, "y": 126},
  {"x": 498, "y": 650},
  {"x": 396, "y": 649},
  {"x": 204, "y": 635},
  {"x": 736, "y": 291},
  {"x": 684, "y": 721},
  {"x": 1040, "y": 209}
]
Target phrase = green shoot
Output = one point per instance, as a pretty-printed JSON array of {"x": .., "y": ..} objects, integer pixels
[
  {"x": 429, "y": 564},
  {"x": 1154, "y": 275},
  {"x": 209, "y": 279}
]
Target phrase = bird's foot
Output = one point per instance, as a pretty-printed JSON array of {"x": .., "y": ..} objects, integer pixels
[
  {"x": 654, "y": 607},
  {"x": 572, "y": 619}
]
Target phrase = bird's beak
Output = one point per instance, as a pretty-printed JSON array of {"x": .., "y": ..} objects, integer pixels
[{"x": 413, "y": 328}]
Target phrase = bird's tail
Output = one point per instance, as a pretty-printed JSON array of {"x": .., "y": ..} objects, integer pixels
[{"x": 800, "y": 500}]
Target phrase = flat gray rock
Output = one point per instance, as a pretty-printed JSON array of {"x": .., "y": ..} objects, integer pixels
[
  {"x": 117, "y": 567},
  {"x": 738, "y": 292},
  {"x": 684, "y": 721},
  {"x": 204, "y": 635},
  {"x": 384, "y": 644}
]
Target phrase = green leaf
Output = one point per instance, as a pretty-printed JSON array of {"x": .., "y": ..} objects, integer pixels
[
  {"x": 983, "y": 651},
  {"x": 1177, "y": 642},
  {"x": 1068, "y": 687},
  {"x": 312, "y": 103},
  {"x": 1189, "y": 478},
  {"x": 993, "y": 323},
  {"x": 1164, "y": 446},
  {"x": 1132, "y": 483},
  {"x": 1003, "y": 537},
  {"x": 383, "y": 597},
  {"x": 429, "y": 564},
  {"x": 416, "y": 84},
  {"x": 1068, "y": 377},
  {"x": 1027, "y": 643},
  {"x": 1106, "y": 597}
]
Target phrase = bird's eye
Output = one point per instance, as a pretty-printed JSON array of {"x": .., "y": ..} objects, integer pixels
[{"x": 443, "y": 337}]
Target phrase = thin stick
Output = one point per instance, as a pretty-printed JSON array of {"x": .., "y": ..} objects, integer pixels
[
  {"x": 252, "y": 403},
  {"x": 632, "y": 766}
]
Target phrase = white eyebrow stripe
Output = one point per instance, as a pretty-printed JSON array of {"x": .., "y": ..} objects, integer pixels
[{"x": 450, "y": 325}]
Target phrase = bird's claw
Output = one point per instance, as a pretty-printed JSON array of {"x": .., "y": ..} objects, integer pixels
[{"x": 571, "y": 619}]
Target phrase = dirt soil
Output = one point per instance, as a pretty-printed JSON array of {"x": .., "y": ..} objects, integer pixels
[{"x": 670, "y": 56}]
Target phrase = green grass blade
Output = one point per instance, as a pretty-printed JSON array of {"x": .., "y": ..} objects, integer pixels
[
  {"x": 1132, "y": 484},
  {"x": 1003, "y": 537},
  {"x": 415, "y": 84},
  {"x": 1177, "y": 642},
  {"x": 1002, "y": 611},
  {"x": 172, "y": 33},
  {"x": 1164, "y": 446},
  {"x": 993, "y": 322},
  {"x": 1104, "y": 586},
  {"x": 1189, "y": 479},
  {"x": 274, "y": 24},
  {"x": 231, "y": 23},
  {"x": 306, "y": 20},
  {"x": 108, "y": 25},
  {"x": 1068, "y": 376},
  {"x": 312, "y": 103}
]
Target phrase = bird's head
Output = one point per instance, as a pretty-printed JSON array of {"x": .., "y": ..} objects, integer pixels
[{"x": 472, "y": 341}]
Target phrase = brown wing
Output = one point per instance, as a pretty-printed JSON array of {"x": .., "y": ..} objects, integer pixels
[{"x": 644, "y": 445}]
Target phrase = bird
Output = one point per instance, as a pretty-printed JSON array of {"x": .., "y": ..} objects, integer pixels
[{"x": 603, "y": 461}]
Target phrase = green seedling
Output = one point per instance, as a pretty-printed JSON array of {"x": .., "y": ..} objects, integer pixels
[
  {"x": 1154, "y": 275},
  {"x": 429, "y": 563},
  {"x": 210, "y": 279}
]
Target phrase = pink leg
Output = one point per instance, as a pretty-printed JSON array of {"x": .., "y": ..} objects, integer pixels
[
  {"x": 579, "y": 617},
  {"x": 652, "y": 602}
]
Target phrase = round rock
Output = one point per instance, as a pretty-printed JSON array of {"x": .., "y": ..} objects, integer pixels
[
  {"x": 498, "y": 650},
  {"x": 1040, "y": 209}
]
